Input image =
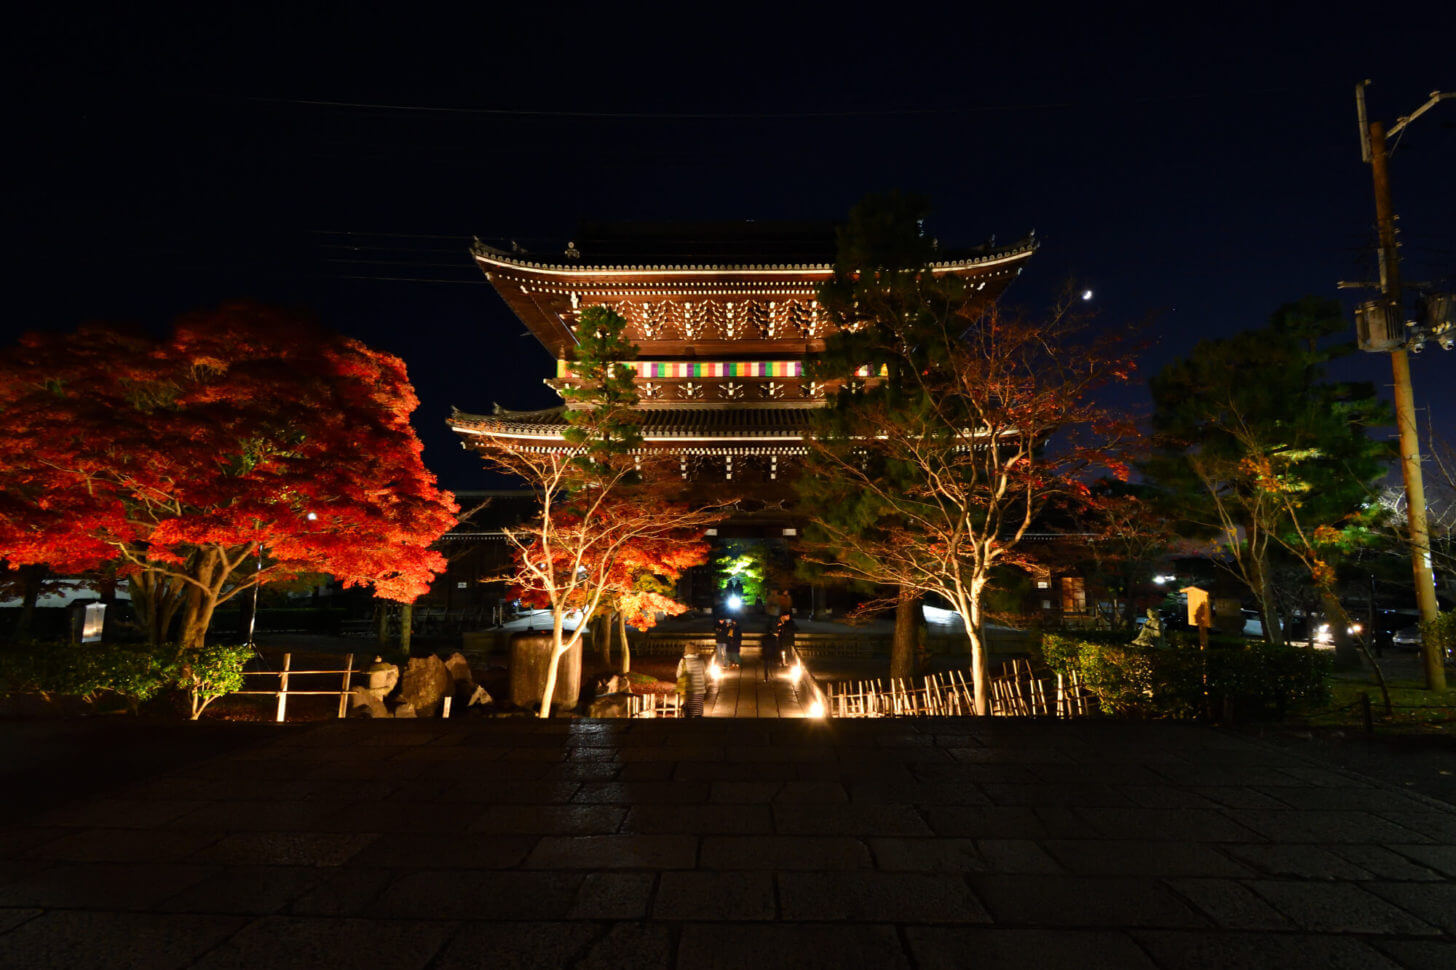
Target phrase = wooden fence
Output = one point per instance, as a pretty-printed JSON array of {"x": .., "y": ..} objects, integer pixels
[
  {"x": 286, "y": 689},
  {"x": 1017, "y": 692}
]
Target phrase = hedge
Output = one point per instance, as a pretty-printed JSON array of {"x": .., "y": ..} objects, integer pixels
[
  {"x": 134, "y": 674},
  {"x": 1258, "y": 679}
]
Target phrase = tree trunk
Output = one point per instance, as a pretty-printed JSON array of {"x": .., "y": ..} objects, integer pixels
[
  {"x": 144, "y": 604},
  {"x": 406, "y": 626},
  {"x": 31, "y": 578},
  {"x": 980, "y": 669},
  {"x": 980, "y": 660},
  {"x": 604, "y": 630},
  {"x": 196, "y": 621},
  {"x": 1347, "y": 654},
  {"x": 558, "y": 617},
  {"x": 626, "y": 645},
  {"x": 1337, "y": 615},
  {"x": 107, "y": 593},
  {"x": 200, "y": 601},
  {"x": 1268, "y": 609},
  {"x": 902, "y": 647}
]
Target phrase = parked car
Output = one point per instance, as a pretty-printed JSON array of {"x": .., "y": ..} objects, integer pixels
[{"x": 1406, "y": 638}]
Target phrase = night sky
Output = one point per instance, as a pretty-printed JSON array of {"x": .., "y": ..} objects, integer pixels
[{"x": 1200, "y": 169}]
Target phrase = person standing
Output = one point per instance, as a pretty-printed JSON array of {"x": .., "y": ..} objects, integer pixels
[
  {"x": 735, "y": 644},
  {"x": 692, "y": 682},
  {"x": 786, "y": 631},
  {"x": 770, "y": 649},
  {"x": 720, "y": 640}
]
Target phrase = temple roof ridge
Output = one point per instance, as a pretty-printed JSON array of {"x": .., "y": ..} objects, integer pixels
[{"x": 486, "y": 253}]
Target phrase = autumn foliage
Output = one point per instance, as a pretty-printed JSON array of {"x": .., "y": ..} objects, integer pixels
[
  {"x": 610, "y": 526},
  {"x": 174, "y": 463}
]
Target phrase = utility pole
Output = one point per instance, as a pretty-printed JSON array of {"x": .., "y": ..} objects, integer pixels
[{"x": 1392, "y": 323}]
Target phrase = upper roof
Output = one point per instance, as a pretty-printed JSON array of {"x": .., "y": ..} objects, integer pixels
[{"x": 709, "y": 247}]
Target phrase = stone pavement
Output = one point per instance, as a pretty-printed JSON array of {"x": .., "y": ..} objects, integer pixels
[
  {"x": 746, "y": 691},
  {"x": 731, "y": 843}
]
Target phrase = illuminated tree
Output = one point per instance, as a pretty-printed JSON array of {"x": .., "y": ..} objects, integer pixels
[
  {"x": 933, "y": 460},
  {"x": 1258, "y": 449},
  {"x": 248, "y": 447},
  {"x": 603, "y": 504},
  {"x": 744, "y": 565},
  {"x": 640, "y": 586}
]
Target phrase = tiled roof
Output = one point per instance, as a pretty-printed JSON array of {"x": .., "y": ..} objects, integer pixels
[
  {"x": 657, "y": 423},
  {"x": 677, "y": 265}
]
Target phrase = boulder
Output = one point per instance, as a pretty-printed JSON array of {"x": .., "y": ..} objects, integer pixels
[
  {"x": 478, "y": 696},
  {"x": 604, "y": 684},
  {"x": 459, "y": 669},
  {"x": 405, "y": 710},
  {"x": 425, "y": 684},
  {"x": 363, "y": 702},
  {"x": 609, "y": 705}
]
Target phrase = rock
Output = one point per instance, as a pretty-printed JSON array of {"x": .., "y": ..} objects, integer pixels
[
  {"x": 425, "y": 684},
  {"x": 609, "y": 705},
  {"x": 478, "y": 696},
  {"x": 604, "y": 684},
  {"x": 364, "y": 702},
  {"x": 459, "y": 669},
  {"x": 404, "y": 710}
]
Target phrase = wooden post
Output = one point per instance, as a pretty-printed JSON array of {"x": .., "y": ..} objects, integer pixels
[
  {"x": 344, "y": 694},
  {"x": 283, "y": 687}
]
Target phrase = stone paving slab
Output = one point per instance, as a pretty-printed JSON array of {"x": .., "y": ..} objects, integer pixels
[{"x": 725, "y": 843}]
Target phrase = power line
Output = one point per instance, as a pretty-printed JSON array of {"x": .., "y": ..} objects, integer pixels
[{"x": 766, "y": 115}]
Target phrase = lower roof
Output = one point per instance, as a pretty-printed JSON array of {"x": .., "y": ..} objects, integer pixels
[{"x": 783, "y": 424}]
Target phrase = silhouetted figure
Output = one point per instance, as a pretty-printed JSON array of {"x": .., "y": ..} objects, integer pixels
[
  {"x": 720, "y": 641},
  {"x": 786, "y": 630},
  {"x": 770, "y": 649}
]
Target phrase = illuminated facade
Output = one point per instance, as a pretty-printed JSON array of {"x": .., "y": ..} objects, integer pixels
[{"x": 724, "y": 318}]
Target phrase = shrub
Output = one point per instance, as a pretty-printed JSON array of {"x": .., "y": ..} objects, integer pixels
[
  {"x": 1134, "y": 681},
  {"x": 89, "y": 671},
  {"x": 1442, "y": 632},
  {"x": 94, "y": 672},
  {"x": 207, "y": 673}
]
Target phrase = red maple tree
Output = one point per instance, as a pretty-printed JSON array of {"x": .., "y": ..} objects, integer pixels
[
  {"x": 628, "y": 582},
  {"x": 246, "y": 448}
]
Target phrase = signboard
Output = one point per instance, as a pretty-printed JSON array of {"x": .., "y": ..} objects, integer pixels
[{"x": 1200, "y": 608}]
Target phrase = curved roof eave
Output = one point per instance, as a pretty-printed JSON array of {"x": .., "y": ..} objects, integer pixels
[{"x": 488, "y": 256}]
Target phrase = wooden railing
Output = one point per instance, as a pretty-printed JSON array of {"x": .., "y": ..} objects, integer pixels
[{"x": 286, "y": 690}]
